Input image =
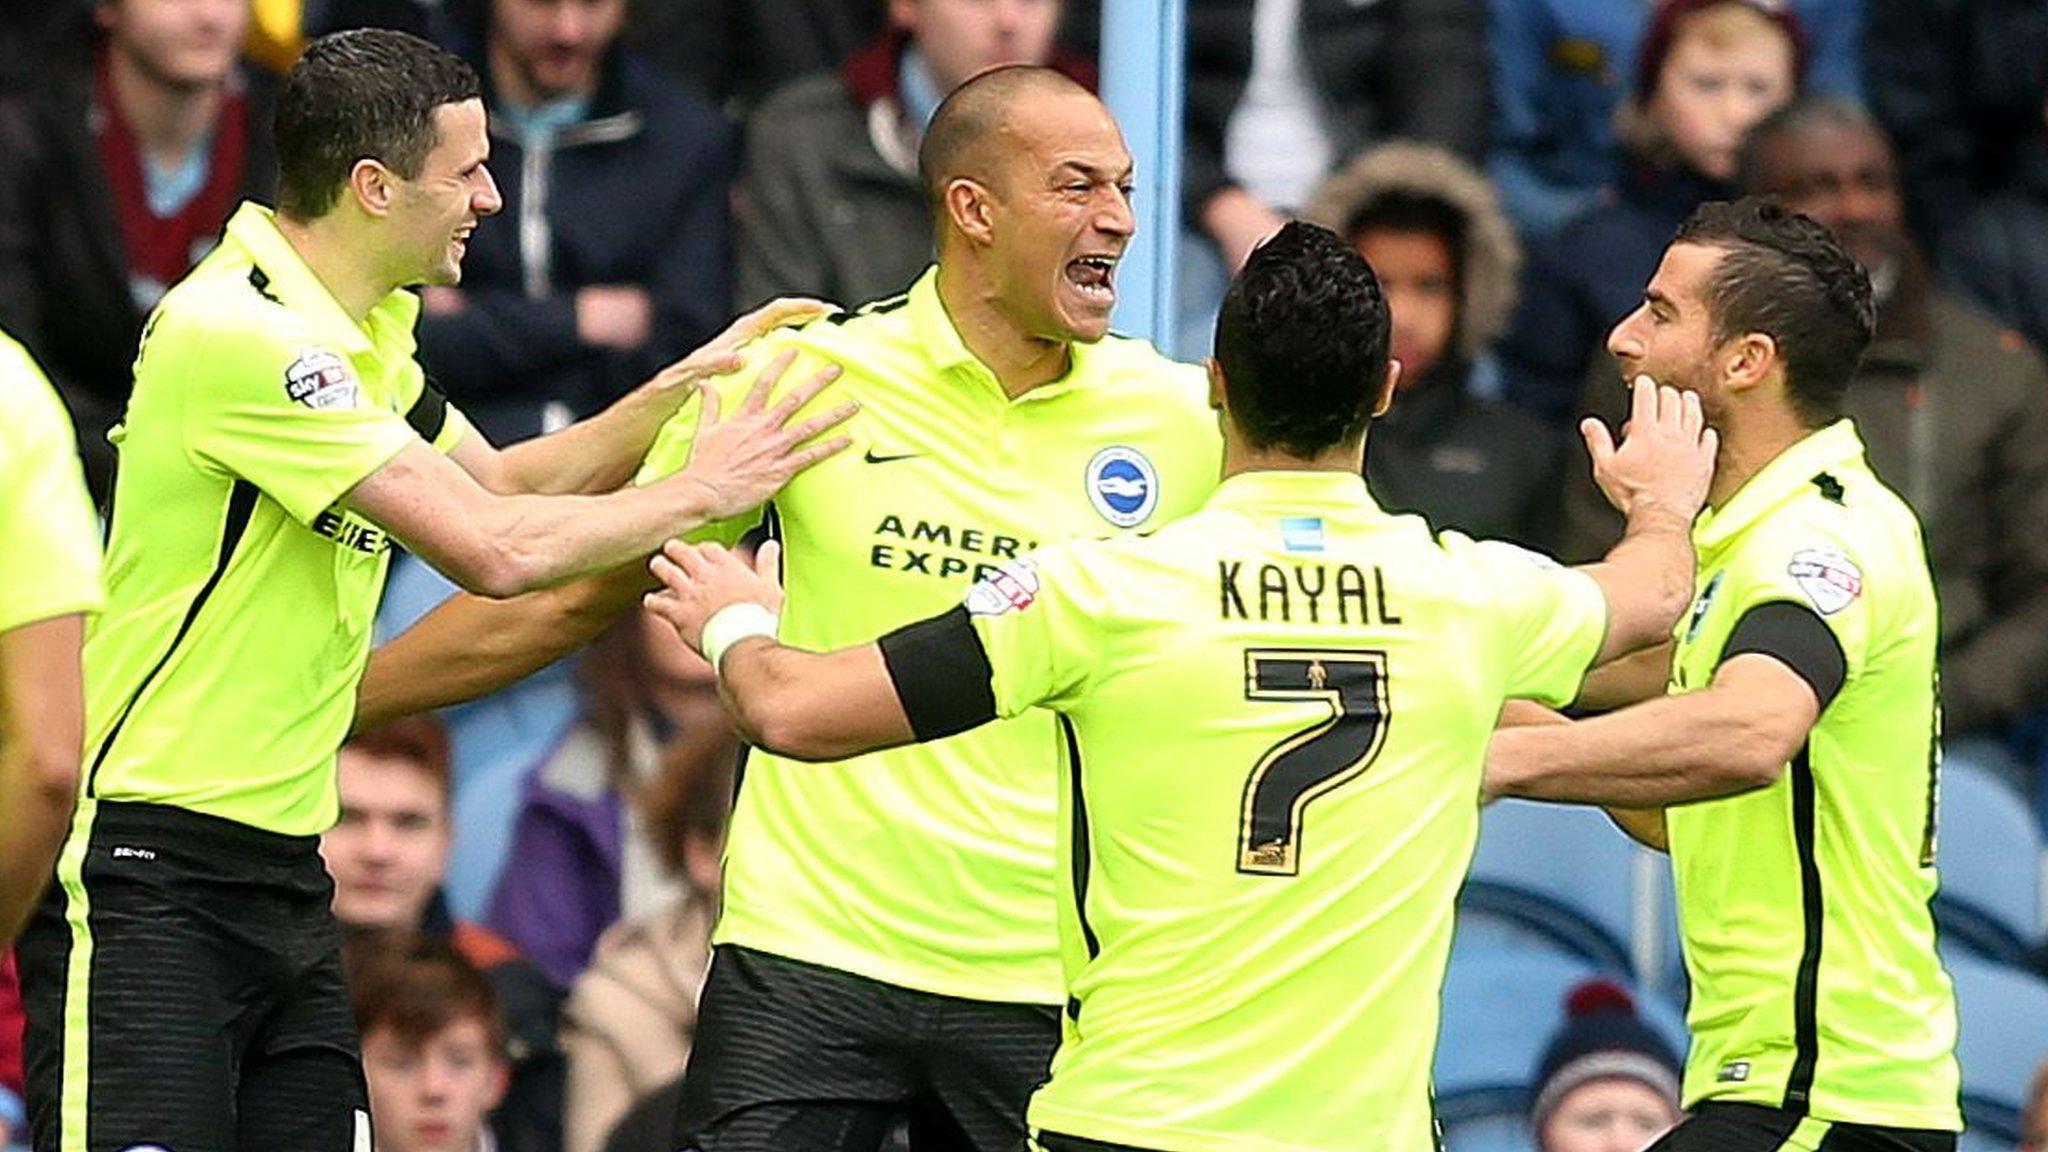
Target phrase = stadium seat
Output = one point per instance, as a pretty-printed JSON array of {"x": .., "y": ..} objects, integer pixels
[
  {"x": 1500, "y": 1010},
  {"x": 2004, "y": 1037},
  {"x": 1555, "y": 873},
  {"x": 1989, "y": 852}
]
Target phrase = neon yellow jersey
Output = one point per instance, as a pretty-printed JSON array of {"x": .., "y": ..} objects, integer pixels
[
  {"x": 50, "y": 563},
  {"x": 1276, "y": 714},
  {"x": 222, "y": 677},
  {"x": 931, "y": 867},
  {"x": 1804, "y": 905}
]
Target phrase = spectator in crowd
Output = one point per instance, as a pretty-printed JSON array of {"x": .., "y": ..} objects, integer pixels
[
  {"x": 628, "y": 1026},
  {"x": 1953, "y": 410},
  {"x": 616, "y": 256},
  {"x": 1447, "y": 260},
  {"x": 1560, "y": 67},
  {"x": 2000, "y": 255},
  {"x": 387, "y": 856},
  {"x": 1607, "y": 1082},
  {"x": 1279, "y": 92},
  {"x": 830, "y": 204},
  {"x": 433, "y": 1045},
  {"x": 585, "y": 858},
  {"x": 1707, "y": 71},
  {"x": 737, "y": 51},
  {"x": 122, "y": 165},
  {"x": 1958, "y": 84}
]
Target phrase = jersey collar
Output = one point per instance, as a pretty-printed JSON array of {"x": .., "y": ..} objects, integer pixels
[
  {"x": 292, "y": 282},
  {"x": 1290, "y": 490},
  {"x": 941, "y": 343},
  {"x": 1784, "y": 478}
]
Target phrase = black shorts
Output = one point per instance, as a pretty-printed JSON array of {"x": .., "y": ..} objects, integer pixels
[
  {"x": 793, "y": 1057},
  {"x": 1717, "y": 1126},
  {"x": 183, "y": 986},
  {"x": 1054, "y": 1142}
]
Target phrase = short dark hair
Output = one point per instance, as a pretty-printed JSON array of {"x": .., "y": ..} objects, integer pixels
[
  {"x": 1786, "y": 276},
  {"x": 968, "y": 119},
  {"x": 419, "y": 739},
  {"x": 1302, "y": 340},
  {"x": 365, "y": 93},
  {"x": 417, "y": 986}
]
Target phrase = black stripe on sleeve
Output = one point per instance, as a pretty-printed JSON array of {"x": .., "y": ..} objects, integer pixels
[
  {"x": 429, "y": 414},
  {"x": 942, "y": 674},
  {"x": 1798, "y": 638}
]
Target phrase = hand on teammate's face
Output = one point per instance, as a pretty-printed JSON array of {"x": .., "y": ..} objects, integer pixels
[
  {"x": 699, "y": 579},
  {"x": 1665, "y": 460}
]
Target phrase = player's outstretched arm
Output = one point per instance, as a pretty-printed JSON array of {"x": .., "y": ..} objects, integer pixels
[
  {"x": 795, "y": 703},
  {"x": 1732, "y": 736},
  {"x": 601, "y": 453},
  {"x": 503, "y": 546},
  {"x": 470, "y": 646},
  {"x": 1658, "y": 479},
  {"x": 42, "y": 726}
]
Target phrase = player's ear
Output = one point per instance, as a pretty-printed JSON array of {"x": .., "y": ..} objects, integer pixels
[
  {"x": 373, "y": 185},
  {"x": 1215, "y": 384},
  {"x": 969, "y": 205},
  {"x": 1749, "y": 360},
  {"x": 1385, "y": 399}
]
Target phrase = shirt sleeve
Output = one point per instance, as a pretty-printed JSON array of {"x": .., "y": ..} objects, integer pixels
[
  {"x": 670, "y": 452},
  {"x": 50, "y": 562},
  {"x": 1036, "y": 617},
  {"x": 1783, "y": 587},
  {"x": 290, "y": 417},
  {"x": 1549, "y": 620}
]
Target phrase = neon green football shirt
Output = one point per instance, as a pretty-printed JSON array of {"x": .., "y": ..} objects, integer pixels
[
  {"x": 222, "y": 677},
  {"x": 50, "y": 565},
  {"x": 1276, "y": 714},
  {"x": 1804, "y": 905},
  {"x": 931, "y": 867}
]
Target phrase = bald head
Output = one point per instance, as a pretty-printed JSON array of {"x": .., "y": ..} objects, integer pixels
[{"x": 964, "y": 137}]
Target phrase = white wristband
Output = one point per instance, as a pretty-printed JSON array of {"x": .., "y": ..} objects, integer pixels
[{"x": 732, "y": 624}]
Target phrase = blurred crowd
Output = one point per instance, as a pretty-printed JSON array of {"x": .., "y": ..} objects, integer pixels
[{"x": 532, "y": 876}]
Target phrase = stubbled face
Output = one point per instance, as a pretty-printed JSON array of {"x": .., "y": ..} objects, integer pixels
[
  {"x": 962, "y": 38},
  {"x": 1612, "y": 1115},
  {"x": 1420, "y": 279},
  {"x": 178, "y": 43},
  {"x": 1707, "y": 97},
  {"x": 1062, "y": 216},
  {"x": 1670, "y": 335},
  {"x": 389, "y": 852},
  {"x": 433, "y": 214},
  {"x": 556, "y": 47},
  {"x": 1843, "y": 177},
  {"x": 432, "y": 1096}
]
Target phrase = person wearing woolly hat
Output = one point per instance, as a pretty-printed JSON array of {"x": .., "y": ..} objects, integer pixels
[{"x": 1607, "y": 1081}]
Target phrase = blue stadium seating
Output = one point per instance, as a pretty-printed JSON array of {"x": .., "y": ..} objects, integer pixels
[
  {"x": 2004, "y": 1037},
  {"x": 1989, "y": 852},
  {"x": 1551, "y": 875},
  {"x": 1500, "y": 1010}
]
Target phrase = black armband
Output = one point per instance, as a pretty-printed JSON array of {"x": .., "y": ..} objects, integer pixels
[
  {"x": 429, "y": 413},
  {"x": 1795, "y": 636},
  {"x": 942, "y": 674}
]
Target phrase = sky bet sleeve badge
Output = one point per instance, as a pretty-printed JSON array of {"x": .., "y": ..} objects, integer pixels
[
  {"x": 1828, "y": 577},
  {"x": 321, "y": 380}
]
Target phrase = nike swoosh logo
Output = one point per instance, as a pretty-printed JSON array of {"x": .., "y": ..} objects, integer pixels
[{"x": 873, "y": 458}]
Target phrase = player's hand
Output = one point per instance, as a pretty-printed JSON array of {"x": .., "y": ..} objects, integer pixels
[
  {"x": 721, "y": 354},
  {"x": 1665, "y": 462},
  {"x": 747, "y": 458},
  {"x": 699, "y": 579}
]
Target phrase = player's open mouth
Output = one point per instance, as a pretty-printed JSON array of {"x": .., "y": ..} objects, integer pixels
[{"x": 1094, "y": 277}]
